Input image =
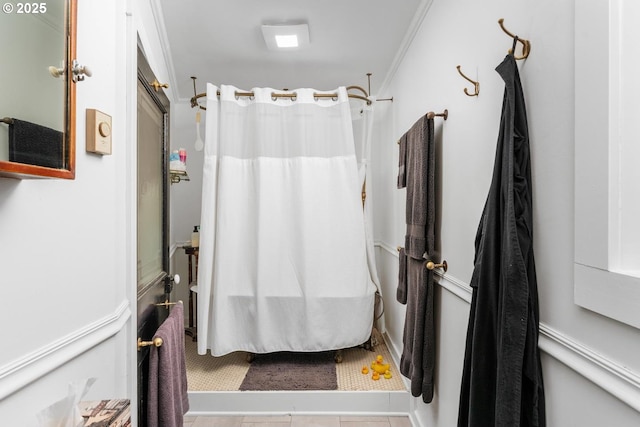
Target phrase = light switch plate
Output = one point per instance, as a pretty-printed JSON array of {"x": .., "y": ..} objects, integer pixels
[{"x": 98, "y": 132}]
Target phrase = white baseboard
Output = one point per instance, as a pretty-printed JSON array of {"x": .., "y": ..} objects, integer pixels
[
  {"x": 373, "y": 403},
  {"x": 396, "y": 354},
  {"x": 23, "y": 371}
]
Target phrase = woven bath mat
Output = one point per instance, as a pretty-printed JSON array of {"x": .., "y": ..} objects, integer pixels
[{"x": 291, "y": 371}]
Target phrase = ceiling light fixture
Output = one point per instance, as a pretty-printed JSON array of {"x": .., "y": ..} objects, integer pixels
[
  {"x": 287, "y": 40},
  {"x": 286, "y": 37}
]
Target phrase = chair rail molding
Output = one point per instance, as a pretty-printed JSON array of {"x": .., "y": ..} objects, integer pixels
[
  {"x": 32, "y": 366},
  {"x": 617, "y": 380}
]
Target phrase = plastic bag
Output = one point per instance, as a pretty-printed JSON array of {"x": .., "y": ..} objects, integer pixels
[{"x": 65, "y": 412}]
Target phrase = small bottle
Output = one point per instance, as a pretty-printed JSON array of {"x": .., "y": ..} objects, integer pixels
[{"x": 195, "y": 237}]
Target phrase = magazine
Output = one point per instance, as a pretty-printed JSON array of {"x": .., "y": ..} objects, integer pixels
[{"x": 106, "y": 413}]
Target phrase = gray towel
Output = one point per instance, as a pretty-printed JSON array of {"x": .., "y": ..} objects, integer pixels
[
  {"x": 402, "y": 162},
  {"x": 35, "y": 145},
  {"x": 167, "y": 401},
  {"x": 420, "y": 152},
  {"x": 418, "y": 354},
  {"x": 417, "y": 362},
  {"x": 401, "y": 291}
]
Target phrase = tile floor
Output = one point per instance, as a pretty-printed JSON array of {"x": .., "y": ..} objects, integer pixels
[{"x": 295, "y": 421}]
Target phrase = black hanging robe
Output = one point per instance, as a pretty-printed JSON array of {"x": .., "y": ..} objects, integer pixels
[{"x": 502, "y": 379}]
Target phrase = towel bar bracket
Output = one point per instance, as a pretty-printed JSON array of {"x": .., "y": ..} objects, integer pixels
[
  {"x": 430, "y": 265},
  {"x": 444, "y": 114},
  {"x": 157, "y": 342}
]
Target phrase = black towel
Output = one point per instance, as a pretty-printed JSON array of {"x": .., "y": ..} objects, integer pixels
[{"x": 35, "y": 145}]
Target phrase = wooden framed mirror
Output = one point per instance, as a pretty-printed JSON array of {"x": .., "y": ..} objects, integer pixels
[{"x": 37, "y": 109}]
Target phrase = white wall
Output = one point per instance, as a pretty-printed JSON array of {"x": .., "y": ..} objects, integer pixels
[
  {"x": 64, "y": 250},
  {"x": 466, "y": 33},
  {"x": 67, "y": 248}
]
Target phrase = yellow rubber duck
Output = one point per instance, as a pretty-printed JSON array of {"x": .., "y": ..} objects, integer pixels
[
  {"x": 387, "y": 375},
  {"x": 375, "y": 376},
  {"x": 365, "y": 370},
  {"x": 378, "y": 366}
]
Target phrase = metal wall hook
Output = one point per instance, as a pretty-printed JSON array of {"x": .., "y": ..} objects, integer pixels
[
  {"x": 430, "y": 265},
  {"x": 475, "y": 84},
  {"x": 78, "y": 70},
  {"x": 526, "y": 44}
]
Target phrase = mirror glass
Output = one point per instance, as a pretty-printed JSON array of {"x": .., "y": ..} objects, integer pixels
[{"x": 37, "y": 106}]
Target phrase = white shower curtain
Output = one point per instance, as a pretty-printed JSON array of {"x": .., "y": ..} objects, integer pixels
[
  {"x": 362, "y": 120},
  {"x": 283, "y": 262}
]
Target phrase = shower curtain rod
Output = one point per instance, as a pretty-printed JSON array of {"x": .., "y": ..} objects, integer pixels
[{"x": 290, "y": 95}]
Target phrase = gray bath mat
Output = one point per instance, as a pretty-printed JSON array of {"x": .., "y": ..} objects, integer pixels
[{"x": 291, "y": 371}]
